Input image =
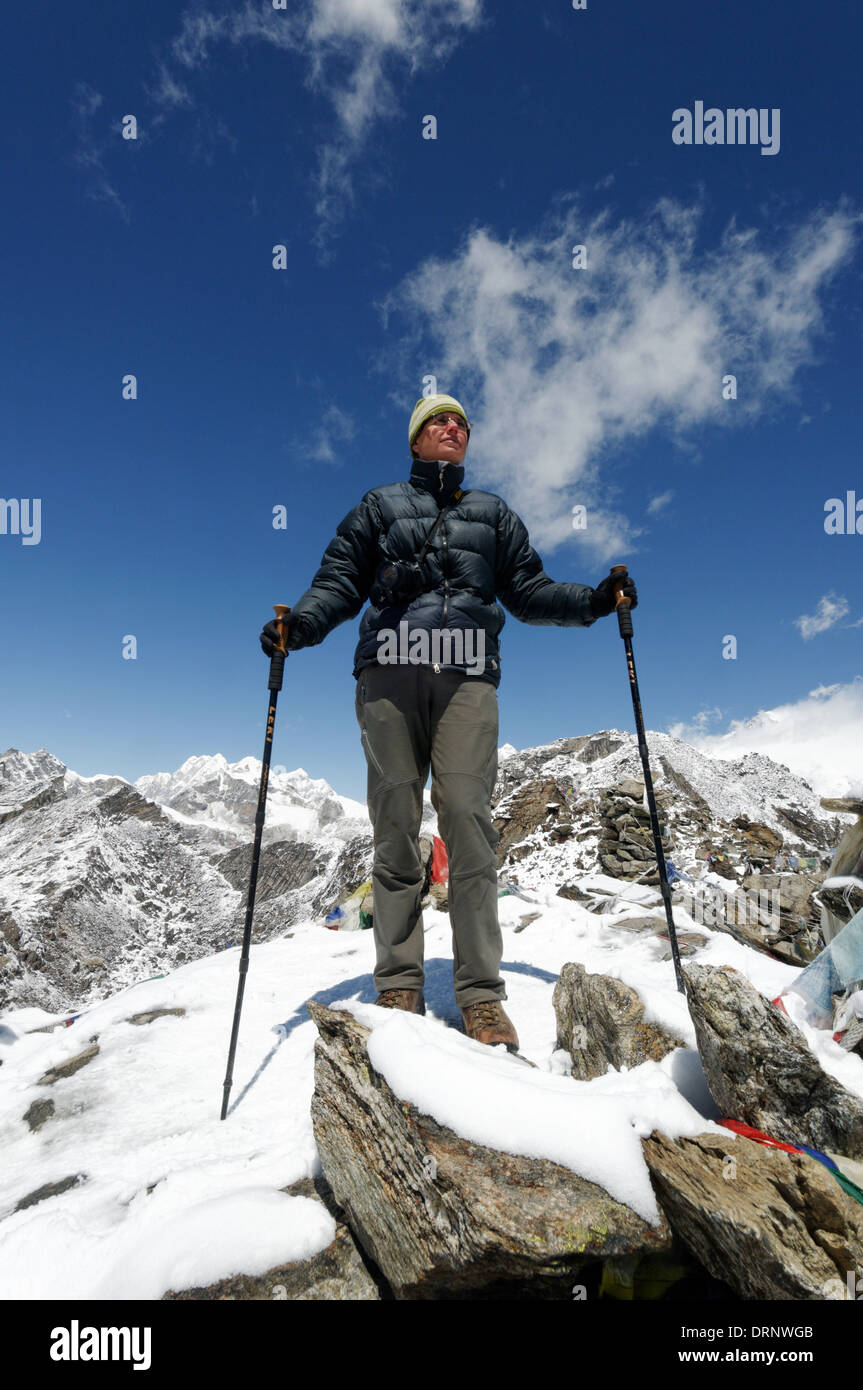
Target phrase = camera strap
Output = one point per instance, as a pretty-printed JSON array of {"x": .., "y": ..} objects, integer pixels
[{"x": 456, "y": 497}]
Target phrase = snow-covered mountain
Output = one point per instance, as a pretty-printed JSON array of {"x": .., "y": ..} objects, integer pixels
[
  {"x": 753, "y": 785},
  {"x": 221, "y": 797},
  {"x": 103, "y": 883},
  {"x": 28, "y": 780}
]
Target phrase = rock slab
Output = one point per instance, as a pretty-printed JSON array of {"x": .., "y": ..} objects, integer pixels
[
  {"x": 772, "y": 1225},
  {"x": 439, "y": 1215},
  {"x": 760, "y": 1070}
]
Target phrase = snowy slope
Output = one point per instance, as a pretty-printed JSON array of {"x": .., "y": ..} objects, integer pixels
[
  {"x": 168, "y": 1196},
  {"x": 172, "y": 1198}
]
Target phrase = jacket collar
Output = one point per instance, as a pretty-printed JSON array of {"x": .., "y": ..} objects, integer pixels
[{"x": 440, "y": 479}]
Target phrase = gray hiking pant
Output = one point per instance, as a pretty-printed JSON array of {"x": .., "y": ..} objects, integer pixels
[{"x": 413, "y": 718}]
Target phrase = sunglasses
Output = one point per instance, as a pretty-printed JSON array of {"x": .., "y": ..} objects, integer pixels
[{"x": 448, "y": 419}]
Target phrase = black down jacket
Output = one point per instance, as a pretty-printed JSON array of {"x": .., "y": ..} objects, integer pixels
[{"x": 479, "y": 553}]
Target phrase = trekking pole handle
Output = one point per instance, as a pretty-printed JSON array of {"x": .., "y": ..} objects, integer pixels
[
  {"x": 277, "y": 660},
  {"x": 624, "y": 615}
]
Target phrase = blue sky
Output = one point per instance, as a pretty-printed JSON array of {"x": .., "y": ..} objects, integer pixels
[{"x": 408, "y": 257}]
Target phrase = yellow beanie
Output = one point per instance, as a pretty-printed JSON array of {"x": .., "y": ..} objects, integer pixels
[{"x": 432, "y": 405}]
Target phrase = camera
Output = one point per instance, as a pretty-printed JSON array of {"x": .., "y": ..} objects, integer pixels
[{"x": 400, "y": 581}]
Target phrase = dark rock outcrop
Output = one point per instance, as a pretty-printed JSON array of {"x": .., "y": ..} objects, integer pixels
[
  {"x": 283, "y": 866},
  {"x": 518, "y": 818},
  {"x": 38, "y": 1113},
  {"x": 50, "y": 1189}
]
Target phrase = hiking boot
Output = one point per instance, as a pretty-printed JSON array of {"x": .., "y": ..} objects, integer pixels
[
  {"x": 486, "y": 1022},
  {"x": 409, "y": 1000}
]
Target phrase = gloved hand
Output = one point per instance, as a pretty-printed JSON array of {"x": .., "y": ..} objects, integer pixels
[
  {"x": 298, "y": 633},
  {"x": 602, "y": 600}
]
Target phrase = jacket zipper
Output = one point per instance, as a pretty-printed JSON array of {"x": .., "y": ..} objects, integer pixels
[
  {"x": 445, "y": 579},
  {"x": 444, "y": 556}
]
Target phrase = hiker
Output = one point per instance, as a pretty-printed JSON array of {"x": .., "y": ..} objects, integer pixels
[{"x": 427, "y": 667}]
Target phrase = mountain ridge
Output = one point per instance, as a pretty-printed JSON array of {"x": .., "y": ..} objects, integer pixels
[{"x": 103, "y": 881}]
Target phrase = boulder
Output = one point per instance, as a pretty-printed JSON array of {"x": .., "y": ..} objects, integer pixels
[
  {"x": 754, "y": 914},
  {"x": 760, "y": 1070},
  {"x": 600, "y": 1023},
  {"x": 629, "y": 787},
  {"x": 771, "y": 1224},
  {"x": 574, "y": 893},
  {"x": 688, "y": 942},
  {"x": 439, "y": 1215}
]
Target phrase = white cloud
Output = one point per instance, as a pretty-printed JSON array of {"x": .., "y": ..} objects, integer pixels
[
  {"x": 167, "y": 91},
  {"x": 93, "y": 145},
  {"x": 559, "y": 365},
  {"x": 817, "y": 737},
  {"x": 830, "y": 609},
  {"x": 336, "y": 428},
  {"x": 357, "y": 53},
  {"x": 657, "y": 503},
  {"x": 699, "y": 725}
]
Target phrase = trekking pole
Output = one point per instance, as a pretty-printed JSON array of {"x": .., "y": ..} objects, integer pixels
[
  {"x": 624, "y": 622},
  {"x": 277, "y": 667}
]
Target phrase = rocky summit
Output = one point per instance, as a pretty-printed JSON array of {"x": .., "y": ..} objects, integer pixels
[{"x": 372, "y": 1154}]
